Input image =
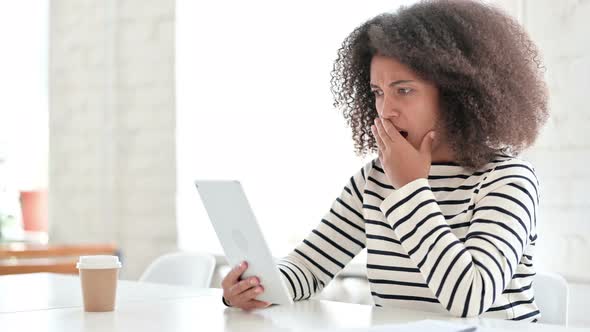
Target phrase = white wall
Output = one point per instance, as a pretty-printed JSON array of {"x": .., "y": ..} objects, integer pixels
[
  {"x": 562, "y": 154},
  {"x": 112, "y": 119},
  {"x": 23, "y": 106},
  {"x": 254, "y": 104}
]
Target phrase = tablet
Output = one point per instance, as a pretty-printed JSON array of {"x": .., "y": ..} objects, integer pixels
[{"x": 240, "y": 236}]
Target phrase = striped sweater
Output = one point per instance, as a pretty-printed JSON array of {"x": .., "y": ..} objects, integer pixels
[{"x": 459, "y": 242}]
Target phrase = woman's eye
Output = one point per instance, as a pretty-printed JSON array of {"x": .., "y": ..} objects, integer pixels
[
  {"x": 376, "y": 92},
  {"x": 404, "y": 91}
]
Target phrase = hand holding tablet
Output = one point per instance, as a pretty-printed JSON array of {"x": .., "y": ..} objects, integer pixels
[{"x": 247, "y": 286}]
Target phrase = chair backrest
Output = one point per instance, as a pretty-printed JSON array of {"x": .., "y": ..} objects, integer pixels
[
  {"x": 181, "y": 268},
  {"x": 551, "y": 296}
]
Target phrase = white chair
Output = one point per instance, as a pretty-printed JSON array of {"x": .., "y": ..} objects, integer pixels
[
  {"x": 181, "y": 268},
  {"x": 551, "y": 296}
]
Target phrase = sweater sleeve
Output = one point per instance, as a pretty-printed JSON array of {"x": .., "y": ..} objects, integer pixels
[
  {"x": 467, "y": 275},
  {"x": 338, "y": 238}
]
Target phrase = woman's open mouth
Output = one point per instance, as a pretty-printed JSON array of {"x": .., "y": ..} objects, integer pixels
[{"x": 404, "y": 134}]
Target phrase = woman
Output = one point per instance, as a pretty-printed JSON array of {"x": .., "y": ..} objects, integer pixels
[{"x": 447, "y": 93}]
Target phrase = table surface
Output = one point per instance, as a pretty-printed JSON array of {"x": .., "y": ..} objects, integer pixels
[
  {"x": 49, "y": 302},
  {"x": 40, "y": 291}
]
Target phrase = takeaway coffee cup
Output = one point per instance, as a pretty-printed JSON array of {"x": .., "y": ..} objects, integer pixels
[{"x": 98, "y": 276}]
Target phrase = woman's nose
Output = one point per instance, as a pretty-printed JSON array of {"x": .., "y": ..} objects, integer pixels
[
  {"x": 389, "y": 113},
  {"x": 389, "y": 108}
]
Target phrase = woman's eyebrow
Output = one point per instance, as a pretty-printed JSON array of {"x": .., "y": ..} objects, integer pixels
[{"x": 392, "y": 83}]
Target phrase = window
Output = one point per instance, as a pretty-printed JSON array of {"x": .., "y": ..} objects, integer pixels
[
  {"x": 254, "y": 104},
  {"x": 24, "y": 113}
]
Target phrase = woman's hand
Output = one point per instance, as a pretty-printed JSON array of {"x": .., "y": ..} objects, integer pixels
[
  {"x": 401, "y": 162},
  {"x": 241, "y": 293}
]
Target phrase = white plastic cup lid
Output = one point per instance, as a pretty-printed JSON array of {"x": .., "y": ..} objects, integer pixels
[{"x": 99, "y": 262}]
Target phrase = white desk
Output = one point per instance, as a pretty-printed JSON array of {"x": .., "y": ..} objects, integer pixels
[
  {"x": 39, "y": 291},
  {"x": 53, "y": 303}
]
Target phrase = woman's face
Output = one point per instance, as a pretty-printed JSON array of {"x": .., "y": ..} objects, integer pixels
[{"x": 409, "y": 102}]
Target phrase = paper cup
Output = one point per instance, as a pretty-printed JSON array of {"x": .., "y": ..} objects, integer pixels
[{"x": 98, "y": 276}]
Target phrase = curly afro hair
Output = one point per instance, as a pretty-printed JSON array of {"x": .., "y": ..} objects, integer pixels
[{"x": 493, "y": 98}]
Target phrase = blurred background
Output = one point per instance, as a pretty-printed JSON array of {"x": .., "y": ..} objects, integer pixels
[{"x": 111, "y": 109}]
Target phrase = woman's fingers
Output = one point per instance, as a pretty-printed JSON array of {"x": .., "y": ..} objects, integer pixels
[
  {"x": 250, "y": 294},
  {"x": 242, "y": 293},
  {"x": 234, "y": 275},
  {"x": 391, "y": 130},
  {"x": 243, "y": 286},
  {"x": 381, "y": 132},
  {"x": 380, "y": 144}
]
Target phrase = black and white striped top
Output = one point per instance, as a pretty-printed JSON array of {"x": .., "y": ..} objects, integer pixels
[{"x": 460, "y": 242}]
